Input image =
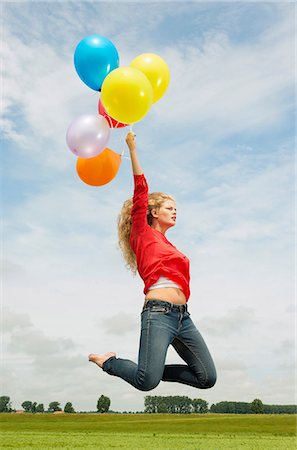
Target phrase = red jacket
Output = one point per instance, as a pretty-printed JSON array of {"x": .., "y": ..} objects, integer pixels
[{"x": 155, "y": 255}]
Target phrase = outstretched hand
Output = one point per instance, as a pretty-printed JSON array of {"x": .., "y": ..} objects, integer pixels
[{"x": 131, "y": 140}]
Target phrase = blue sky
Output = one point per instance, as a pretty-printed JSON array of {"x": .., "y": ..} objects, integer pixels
[{"x": 220, "y": 140}]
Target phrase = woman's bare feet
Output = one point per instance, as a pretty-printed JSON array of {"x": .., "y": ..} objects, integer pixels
[{"x": 100, "y": 359}]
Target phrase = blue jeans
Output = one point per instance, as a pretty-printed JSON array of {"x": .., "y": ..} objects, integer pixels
[{"x": 162, "y": 324}]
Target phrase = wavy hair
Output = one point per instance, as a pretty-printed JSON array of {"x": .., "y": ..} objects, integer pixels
[{"x": 124, "y": 223}]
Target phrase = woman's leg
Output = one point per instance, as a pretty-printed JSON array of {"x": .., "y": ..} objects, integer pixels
[
  {"x": 156, "y": 336},
  {"x": 200, "y": 370}
]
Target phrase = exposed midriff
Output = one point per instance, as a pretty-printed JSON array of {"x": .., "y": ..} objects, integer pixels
[{"x": 172, "y": 295}]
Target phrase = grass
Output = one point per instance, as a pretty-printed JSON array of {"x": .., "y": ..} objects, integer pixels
[{"x": 148, "y": 431}]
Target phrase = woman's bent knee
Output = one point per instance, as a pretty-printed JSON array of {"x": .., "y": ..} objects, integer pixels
[
  {"x": 147, "y": 383},
  {"x": 211, "y": 381},
  {"x": 145, "y": 388}
]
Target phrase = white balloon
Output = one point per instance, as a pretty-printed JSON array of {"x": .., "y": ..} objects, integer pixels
[{"x": 88, "y": 135}]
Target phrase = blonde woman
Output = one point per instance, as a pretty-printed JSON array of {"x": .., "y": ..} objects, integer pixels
[{"x": 165, "y": 319}]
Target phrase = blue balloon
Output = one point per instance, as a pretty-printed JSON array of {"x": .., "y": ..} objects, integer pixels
[{"x": 94, "y": 58}]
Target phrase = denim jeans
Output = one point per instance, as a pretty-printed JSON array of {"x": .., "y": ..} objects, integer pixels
[{"x": 162, "y": 324}]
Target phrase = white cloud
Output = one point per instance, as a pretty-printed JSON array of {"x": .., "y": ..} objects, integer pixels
[
  {"x": 225, "y": 88},
  {"x": 238, "y": 321},
  {"x": 23, "y": 337},
  {"x": 120, "y": 324},
  {"x": 13, "y": 321}
]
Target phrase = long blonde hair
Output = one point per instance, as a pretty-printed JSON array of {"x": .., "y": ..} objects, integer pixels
[{"x": 155, "y": 200}]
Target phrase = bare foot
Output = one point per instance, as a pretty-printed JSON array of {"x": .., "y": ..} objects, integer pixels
[{"x": 100, "y": 359}]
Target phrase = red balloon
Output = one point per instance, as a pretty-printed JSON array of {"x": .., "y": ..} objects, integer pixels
[{"x": 111, "y": 122}]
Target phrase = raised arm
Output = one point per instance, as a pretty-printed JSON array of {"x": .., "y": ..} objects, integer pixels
[{"x": 140, "y": 196}]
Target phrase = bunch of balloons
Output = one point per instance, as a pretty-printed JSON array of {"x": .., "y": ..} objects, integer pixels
[{"x": 127, "y": 94}]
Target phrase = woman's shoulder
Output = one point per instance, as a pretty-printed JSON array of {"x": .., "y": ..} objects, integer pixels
[{"x": 146, "y": 233}]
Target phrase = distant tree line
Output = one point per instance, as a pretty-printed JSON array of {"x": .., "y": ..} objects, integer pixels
[
  {"x": 279, "y": 409},
  {"x": 158, "y": 404},
  {"x": 255, "y": 407},
  {"x": 174, "y": 405},
  {"x": 103, "y": 405},
  {"x": 185, "y": 405}
]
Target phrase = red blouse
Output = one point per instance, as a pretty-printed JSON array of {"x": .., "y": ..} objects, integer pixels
[{"x": 155, "y": 255}]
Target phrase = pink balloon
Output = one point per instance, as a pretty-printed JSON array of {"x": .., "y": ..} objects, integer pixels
[{"x": 88, "y": 135}]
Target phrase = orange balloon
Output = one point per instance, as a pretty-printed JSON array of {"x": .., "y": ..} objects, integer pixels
[{"x": 100, "y": 169}]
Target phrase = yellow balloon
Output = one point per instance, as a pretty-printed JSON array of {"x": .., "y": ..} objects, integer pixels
[
  {"x": 156, "y": 70},
  {"x": 126, "y": 94}
]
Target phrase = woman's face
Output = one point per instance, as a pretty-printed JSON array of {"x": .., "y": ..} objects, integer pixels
[{"x": 166, "y": 214}]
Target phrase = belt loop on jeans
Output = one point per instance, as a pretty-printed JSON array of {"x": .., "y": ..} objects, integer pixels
[{"x": 181, "y": 308}]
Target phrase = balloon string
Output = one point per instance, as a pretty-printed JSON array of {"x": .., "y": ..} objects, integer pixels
[
  {"x": 122, "y": 154},
  {"x": 124, "y": 157}
]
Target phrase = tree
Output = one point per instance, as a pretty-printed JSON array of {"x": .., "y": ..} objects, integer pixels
[
  {"x": 231, "y": 408},
  {"x": 280, "y": 409},
  {"x": 5, "y": 405},
  {"x": 27, "y": 405},
  {"x": 33, "y": 407},
  {"x": 163, "y": 404},
  {"x": 199, "y": 406},
  {"x": 257, "y": 406},
  {"x": 68, "y": 408},
  {"x": 103, "y": 404},
  {"x": 182, "y": 404},
  {"x": 40, "y": 408},
  {"x": 149, "y": 406},
  {"x": 54, "y": 406},
  {"x": 171, "y": 404}
]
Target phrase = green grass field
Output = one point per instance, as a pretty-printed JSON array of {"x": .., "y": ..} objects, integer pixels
[{"x": 148, "y": 431}]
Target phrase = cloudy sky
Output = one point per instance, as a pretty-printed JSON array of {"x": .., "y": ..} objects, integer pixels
[{"x": 220, "y": 141}]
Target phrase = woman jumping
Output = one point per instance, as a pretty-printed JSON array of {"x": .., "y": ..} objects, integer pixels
[{"x": 165, "y": 319}]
